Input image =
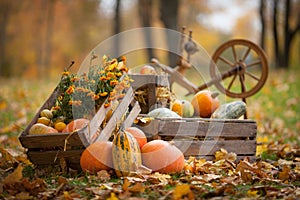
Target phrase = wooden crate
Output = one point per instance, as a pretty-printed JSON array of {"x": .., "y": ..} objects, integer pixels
[
  {"x": 201, "y": 138},
  {"x": 148, "y": 84},
  {"x": 54, "y": 148}
]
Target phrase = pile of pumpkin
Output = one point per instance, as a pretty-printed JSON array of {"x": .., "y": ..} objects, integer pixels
[
  {"x": 45, "y": 124},
  {"x": 129, "y": 153},
  {"x": 204, "y": 104}
]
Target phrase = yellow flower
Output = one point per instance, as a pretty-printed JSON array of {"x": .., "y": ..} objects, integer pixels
[
  {"x": 112, "y": 65},
  {"x": 65, "y": 73},
  {"x": 60, "y": 98},
  {"x": 113, "y": 93},
  {"x": 70, "y": 90},
  {"x": 119, "y": 74},
  {"x": 103, "y": 94}
]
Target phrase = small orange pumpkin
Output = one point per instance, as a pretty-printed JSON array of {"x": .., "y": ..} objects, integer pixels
[
  {"x": 184, "y": 108},
  {"x": 205, "y": 103},
  {"x": 97, "y": 157},
  {"x": 163, "y": 157},
  {"x": 76, "y": 124},
  {"x": 138, "y": 134}
]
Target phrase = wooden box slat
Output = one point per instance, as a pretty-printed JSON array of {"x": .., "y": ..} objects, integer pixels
[
  {"x": 45, "y": 158},
  {"x": 141, "y": 80},
  {"x": 201, "y": 138},
  {"x": 209, "y": 147}
]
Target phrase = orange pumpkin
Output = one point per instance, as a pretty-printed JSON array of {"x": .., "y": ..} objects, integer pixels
[
  {"x": 138, "y": 134},
  {"x": 76, "y": 124},
  {"x": 163, "y": 157},
  {"x": 97, "y": 157},
  {"x": 205, "y": 103}
]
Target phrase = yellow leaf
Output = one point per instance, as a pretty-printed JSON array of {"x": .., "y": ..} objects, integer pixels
[
  {"x": 182, "y": 190},
  {"x": 252, "y": 193},
  {"x": 112, "y": 197},
  {"x": 14, "y": 177}
]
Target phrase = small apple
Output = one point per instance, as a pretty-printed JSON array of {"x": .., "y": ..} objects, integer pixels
[{"x": 147, "y": 69}]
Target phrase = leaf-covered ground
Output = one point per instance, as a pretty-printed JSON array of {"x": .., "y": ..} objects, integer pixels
[{"x": 274, "y": 175}]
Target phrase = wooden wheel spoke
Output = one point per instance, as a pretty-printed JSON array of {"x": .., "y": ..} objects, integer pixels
[
  {"x": 252, "y": 76},
  {"x": 231, "y": 82},
  {"x": 246, "y": 54},
  {"x": 226, "y": 61},
  {"x": 254, "y": 63},
  {"x": 234, "y": 53},
  {"x": 242, "y": 80}
]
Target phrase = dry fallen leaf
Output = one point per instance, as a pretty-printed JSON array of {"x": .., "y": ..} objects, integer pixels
[
  {"x": 183, "y": 190},
  {"x": 14, "y": 177}
]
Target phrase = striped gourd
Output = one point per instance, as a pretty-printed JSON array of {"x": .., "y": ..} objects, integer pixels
[{"x": 126, "y": 153}]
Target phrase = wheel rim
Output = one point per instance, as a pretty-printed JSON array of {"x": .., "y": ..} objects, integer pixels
[{"x": 251, "y": 64}]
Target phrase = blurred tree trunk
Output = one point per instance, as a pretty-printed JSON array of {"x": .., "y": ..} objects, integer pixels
[
  {"x": 145, "y": 13},
  {"x": 262, "y": 10},
  {"x": 282, "y": 48},
  {"x": 169, "y": 16},
  {"x": 5, "y": 11},
  {"x": 49, "y": 33},
  {"x": 275, "y": 34},
  {"x": 117, "y": 28}
]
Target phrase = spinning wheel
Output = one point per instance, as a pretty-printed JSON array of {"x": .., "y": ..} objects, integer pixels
[{"x": 243, "y": 67}]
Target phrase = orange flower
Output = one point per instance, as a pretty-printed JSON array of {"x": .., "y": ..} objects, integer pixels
[
  {"x": 75, "y": 79},
  {"x": 103, "y": 78},
  {"x": 121, "y": 96},
  {"x": 75, "y": 103},
  {"x": 123, "y": 59},
  {"x": 55, "y": 108},
  {"x": 113, "y": 82},
  {"x": 90, "y": 94},
  {"x": 70, "y": 90},
  {"x": 106, "y": 105},
  {"x": 110, "y": 74},
  {"x": 95, "y": 97},
  {"x": 111, "y": 98}
]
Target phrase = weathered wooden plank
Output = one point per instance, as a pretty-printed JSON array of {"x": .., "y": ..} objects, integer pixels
[
  {"x": 116, "y": 116},
  {"x": 52, "y": 140},
  {"x": 136, "y": 109},
  {"x": 195, "y": 127},
  {"x": 53, "y": 157},
  {"x": 206, "y": 129},
  {"x": 141, "y": 80},
  {"x": 209, "y": 147}
]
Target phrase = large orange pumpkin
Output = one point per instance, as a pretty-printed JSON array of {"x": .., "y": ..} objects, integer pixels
[
  {"x": 138, "y": 134},
  {"x": 76, "y": 124},
  {"x": 205, "y": 103},
  {"x": 163, "y": 157},
  {"x": 97, "y": 157}
]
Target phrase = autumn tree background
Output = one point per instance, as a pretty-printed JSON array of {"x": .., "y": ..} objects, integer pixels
[{"x": 39, "y": 38}]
